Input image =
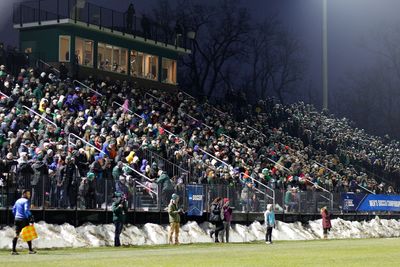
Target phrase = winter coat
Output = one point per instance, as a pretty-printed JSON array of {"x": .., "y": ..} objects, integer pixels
[
  {"x": 165, "y": 182},
  {"x": 41, "y": 172},
  {"x": 326, "y": 220},
  {"x": 215, "y": 213},
  {"x": 269, "y": 218},
  {"x": 143, "y": 167},
  {"x": 173, "y": 212},
  {"x": 119, "y": 213}
]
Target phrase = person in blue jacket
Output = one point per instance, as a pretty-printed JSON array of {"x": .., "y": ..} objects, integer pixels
[
  {"x": 22, "y": 218},
  {"x": 269, "y": 218}
]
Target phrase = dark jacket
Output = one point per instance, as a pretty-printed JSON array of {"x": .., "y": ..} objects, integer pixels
[
  {"x": 165, "y": 182},
  {"x": 215, "y": 213},
  {"x": 119, "y": 213}
]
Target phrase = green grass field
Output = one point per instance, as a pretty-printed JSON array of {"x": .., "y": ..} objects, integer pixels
[{"x": 357, "y": 252}]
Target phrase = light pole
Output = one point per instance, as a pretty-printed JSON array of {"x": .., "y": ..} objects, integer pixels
[{"x": 325, "y": 54}]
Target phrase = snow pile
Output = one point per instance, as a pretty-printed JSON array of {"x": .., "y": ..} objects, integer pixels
[{"x": 89, "y": 235}]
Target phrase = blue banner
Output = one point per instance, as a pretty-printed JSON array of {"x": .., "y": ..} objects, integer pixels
[
  {"x": 351, "y": 201},
  {"x": 195, "y": 200},
  {"x": 380, "y": 203},
  {"x": 370, "y": 202}
]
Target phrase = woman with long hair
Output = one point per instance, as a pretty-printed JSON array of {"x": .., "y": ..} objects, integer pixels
[
  {"x": 326, "y": 221},
  {"x": 216, "y": 217}
]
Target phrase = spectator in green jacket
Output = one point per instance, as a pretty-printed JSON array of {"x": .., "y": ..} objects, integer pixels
[
  {"x": 174, "y": 219},
  {"x": 167, "y": 189},
  {"x": 119, "y": 209}
]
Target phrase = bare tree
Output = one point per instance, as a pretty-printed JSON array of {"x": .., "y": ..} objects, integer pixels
[
  {"x": 221, "y": 31},
  {"x": 371, "y": 95},
  {"x": 275, "y": 59}
]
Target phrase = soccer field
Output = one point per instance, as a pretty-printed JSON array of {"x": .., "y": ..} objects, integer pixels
[{"x": 355, "y": 252}]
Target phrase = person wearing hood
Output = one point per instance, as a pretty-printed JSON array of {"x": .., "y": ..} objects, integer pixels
[
  {"x": 119, "y": 209},
  {"x": 121, "y": 186},
  {"x": 25, "y": 172},
  {"x": 269, "y": 219},
  {"x": 117, "y": 170},
  {"x": 39, "y": 181},
  {"x": 326, "y": 221},
  {"x": 167, "y": 188},
  {"x": 72, "y": 178},
  {"x": 143, "y": 167},
  {"x": 216, "y": 217},
  {"x": 174, "y": 215}
]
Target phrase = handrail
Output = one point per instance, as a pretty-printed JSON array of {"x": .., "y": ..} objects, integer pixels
[
  {"x": 137, "y": 115},
  {"x": 209, "y": 127},
  {"x": 148, "y": 188},
  {"x": 40, "y": 115},
  {"x": 217, "y": 110},
  {"x": 158, "y": 99},
  {"x": 50, "y": 66},
  {"x": 233, "y": 139},
  {"x": 191, "y": 158},
  {"x": 142, "y": 175},
  {"x": 223, "y": 162},
  {"x": 166, "y": 160},
  {"x": 188, "y": 95},
  {"x": 369, "y": 172},
  {"x": 316, "y": 185},
  {"x": 91, "y": 89},
  {"x": 254, "y": 129},
  {"x": 3, "y": 94},
  {"x": 262, "y": 184},
  {"x": 118, "y": 104},
  {"x": 101, "y": 152},
  {"x": 323, "y": 166},
  {"x": 273, "y": 161},
  {"x": 324, "y": 190},
  {"x": 171, "y": 133},
  {"x": 366, "y": 189},
  {"x": 84, "y": 141},
  {"x": 192, "y": 97}
]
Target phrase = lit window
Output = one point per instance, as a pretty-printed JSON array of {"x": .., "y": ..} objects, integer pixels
[
  {"x": 84, "y": 51},
  {"x": 112, "y": 58},
  {"x": 168, "y": 74},
  {"x": 64, "y": 48}
]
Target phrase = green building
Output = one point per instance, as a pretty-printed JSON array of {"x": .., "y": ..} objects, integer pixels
[{"x": 99, "y": 41}]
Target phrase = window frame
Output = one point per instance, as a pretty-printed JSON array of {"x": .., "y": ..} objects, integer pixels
[{"x": 60, "y": 59}]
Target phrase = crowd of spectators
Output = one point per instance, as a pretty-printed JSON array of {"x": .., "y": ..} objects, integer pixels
[{"x": 74, "y": 146}]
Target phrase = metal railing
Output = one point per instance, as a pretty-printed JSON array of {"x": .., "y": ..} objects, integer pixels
[
  {"x": 217, "y": 159},
  {"x": 87, "y": 87},
  {"x": 127, "y": 23},
  {"x": 159, "y": 100},
  {"x": 40, "y": 115},
  {"x": 171, "y": 168},
  {"x": 124, "y": 108},
  {"x": 311, "y": 182},
  {"x": 49, "y": 66},
  {"x": 101, "y": 152},
  {"x": 242, "y": 174},
  {"x": 193, "y": 118},
  {"x": 254, "y": 129},
  {"x": 3, "y": 94}
]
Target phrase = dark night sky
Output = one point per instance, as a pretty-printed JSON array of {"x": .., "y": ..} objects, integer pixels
[{"x": 351, "y": 22}]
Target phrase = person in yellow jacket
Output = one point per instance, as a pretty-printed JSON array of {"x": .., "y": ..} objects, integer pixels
[{"x": 174, "y": 219}]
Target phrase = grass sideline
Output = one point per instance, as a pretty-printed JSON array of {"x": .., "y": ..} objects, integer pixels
[{"x": 343, "y": 252}]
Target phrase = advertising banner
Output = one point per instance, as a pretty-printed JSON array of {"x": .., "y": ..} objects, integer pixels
[
  {"x": 380, "y": 203},
  {"x": 370, "y": 202},
  {"x": 195, "y": 200},
  {"x": 351, "y": 201}
]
